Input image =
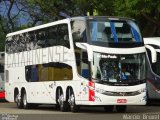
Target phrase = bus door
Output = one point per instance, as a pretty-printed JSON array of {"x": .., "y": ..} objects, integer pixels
[{"x": 83, "y": 71}]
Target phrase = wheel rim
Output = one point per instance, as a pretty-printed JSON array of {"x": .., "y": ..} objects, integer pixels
[
  {"x": 60, "y": 99},
  {"x": 72, "y": 101},
  {"x": 17, "y": 100},
  {"x": 24, "y": 99}
]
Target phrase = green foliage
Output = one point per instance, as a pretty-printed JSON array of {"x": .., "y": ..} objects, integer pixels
[
  {"x": 146, "y": 12},
  {"x": 135, "y": 7},
  {"x": 2, "y": 39}
]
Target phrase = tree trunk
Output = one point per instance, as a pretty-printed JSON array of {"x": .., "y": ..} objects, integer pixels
[{"x": 9, "y": 15}]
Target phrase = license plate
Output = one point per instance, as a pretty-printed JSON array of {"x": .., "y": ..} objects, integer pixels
[{"x": 121, "y": 100}]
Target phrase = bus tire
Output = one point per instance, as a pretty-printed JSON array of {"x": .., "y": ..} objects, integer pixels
[
  {"x": 109, "y": 108},
  {"x": 33, "y": 106},
  {"x": 71, "y": 100},
  {"x": 17, "y": 99},
  {"x": 148, "y": 100},
  {"x": 26, "y": 105},
  {"x": 121, "y": 108},
  {"x": 60, "y": 98}
]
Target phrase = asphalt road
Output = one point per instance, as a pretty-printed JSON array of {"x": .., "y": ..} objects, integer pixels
[{"x": 9, "y": 111}]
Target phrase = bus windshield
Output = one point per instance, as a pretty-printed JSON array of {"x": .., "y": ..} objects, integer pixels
[
  {"x": 118, "y": 69},
  {"x": 114, "y": 31}
]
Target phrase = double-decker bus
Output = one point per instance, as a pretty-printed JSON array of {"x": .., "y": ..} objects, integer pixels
[
  {"x": 2, "y": 92},
  {"x": 153, "y": 71},
  {"x": 79, "y": 61}
]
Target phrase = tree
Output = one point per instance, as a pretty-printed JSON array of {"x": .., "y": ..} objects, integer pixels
[
  {"x": 20, "y": 14},
  {"x": 146, "y": 12},
  {"x": 16, "y": 15},
  {"x": 58, "y": 9}
]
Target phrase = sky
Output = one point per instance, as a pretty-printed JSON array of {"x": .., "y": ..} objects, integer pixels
[{"x": 23, "y": 16}]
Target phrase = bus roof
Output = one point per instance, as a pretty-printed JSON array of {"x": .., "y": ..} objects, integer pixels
[
  {"x": 38, "y": 27},
  {"x": 67, "y": 20},
  {"x": 103, "y": 17},
  {"x": 152, "y": 41}
]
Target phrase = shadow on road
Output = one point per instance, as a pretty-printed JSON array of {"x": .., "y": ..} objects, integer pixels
[
  {"x": 153, "y": 108},
  {"x": 100, "y": 110}
]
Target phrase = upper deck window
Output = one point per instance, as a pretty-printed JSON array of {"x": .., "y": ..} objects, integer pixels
[
  {"x": 114, "y": 31},
  {"x": 40, "y": 38}
]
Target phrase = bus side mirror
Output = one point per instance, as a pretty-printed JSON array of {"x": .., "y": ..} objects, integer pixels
[{"x": 153, "y": 53}]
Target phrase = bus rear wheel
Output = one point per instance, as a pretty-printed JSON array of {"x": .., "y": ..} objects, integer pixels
[
  {"x": 18, "y": 100},
  {"x": 26, "y": 105},
  {"x": 71, "y": 100},
  {"x": 121, "y": 108},
  {"x": 60, "y": 99}
]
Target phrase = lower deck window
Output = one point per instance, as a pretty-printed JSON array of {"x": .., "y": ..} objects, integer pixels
[{"x": 48, "y": 72}]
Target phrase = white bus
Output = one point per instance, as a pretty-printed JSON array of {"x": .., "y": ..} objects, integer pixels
[
  {"x": 2, "y": 92},
  {"x": 80, "y": 61},
  {"x": 153, "y": 71}
]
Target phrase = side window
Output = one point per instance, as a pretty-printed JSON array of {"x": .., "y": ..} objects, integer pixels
[
  {"x": 63, "y": 35},
  {"x": 21, "y": 43},
  {"x": 156, "y": 66},
  {"x": 14, "y": 44},
  {"x": 82, "y": 63},
  {"x": 48, "y": 72},
  {"x": 8, "y": 44},
  {"x": 32, "y": 73},
  {"x": 78, "y": 31},
  {"x": 79, "y": 35},
  {"x": 41, "y": 38},
  {"x": 60, "y": 71},
  {"x": 29, "y": 38},
  {"x": 52, "y": 36}
]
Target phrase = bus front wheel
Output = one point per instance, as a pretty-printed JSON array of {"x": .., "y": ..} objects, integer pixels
[
  {"x": 109, "y": 108},
  {"x": 121, "y": 108}
]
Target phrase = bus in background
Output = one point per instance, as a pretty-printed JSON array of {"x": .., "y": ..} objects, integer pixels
[
  {"x": 153, "y": 71},
  {"x": 80, "y": 61},
  {"x": 2, "y": 92}
]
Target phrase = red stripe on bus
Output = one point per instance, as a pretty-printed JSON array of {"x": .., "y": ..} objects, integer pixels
[{"x": 91, "y": 91}]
